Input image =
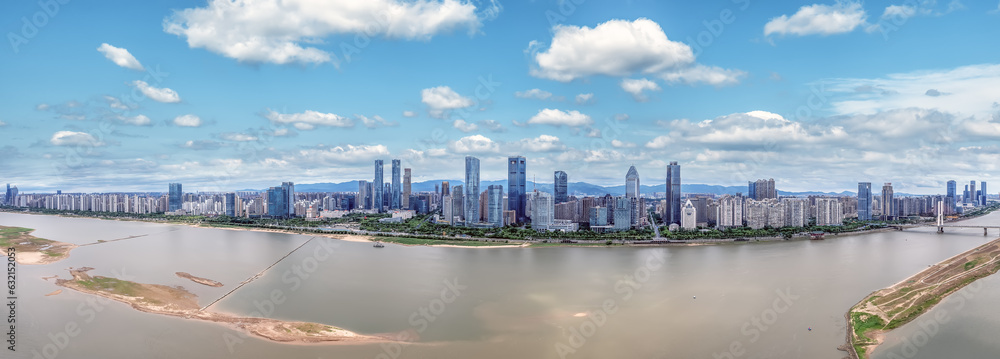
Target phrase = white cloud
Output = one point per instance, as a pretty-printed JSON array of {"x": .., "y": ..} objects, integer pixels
[
  {"x": 971, "y": 91},
  {"x": 199, "y": 145},
  {"x": 463, "y": 126},
  {"x": 120, "y": 57},
  {"x": 622, "y": 117},
  {"x": 593, "y": 133},
  {"x": 533, "y": 93},
  {"x": 621, "y": 144},
  {"x": 281, "y": 32},
  {"x": 711, "y": 75},
  {"x": 338, "y": 155},
  {"x": 616, "y": 48},
  {"x": 584, "y": 98},
  {"x": 543, "y": 143},
  {"x": 164, "y": 95},
  {"x": 3, "y": 124},
  {"x": 71, "y": 138},
  {"x": 376, "y": 121},
  {"x": 556, "y": 117},
  {"x": 309, "y": 119},
  {"x": 187, "y": 121},
  {"x": 237, "y": 137},
  {"x": 659, "y": 142},
  {"x": 442, "y": 99},
  {"x": 819, "y": 19},
  {"x": 475, "y": 144},
  {"x": 899, "y": 11},
  {"x": 137, "y": 120},
  {"x": 636, "y": 87},
  {"x": 492, "y": 125},
  {"x": 409, "y": 114},
  {"x": 115, "y": 103}
]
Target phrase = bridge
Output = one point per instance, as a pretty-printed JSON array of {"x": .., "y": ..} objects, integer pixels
[{"x": 941, "y": 226}]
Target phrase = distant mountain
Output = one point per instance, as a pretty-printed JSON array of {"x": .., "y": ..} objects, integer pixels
[{"x": 575, "y": 188}]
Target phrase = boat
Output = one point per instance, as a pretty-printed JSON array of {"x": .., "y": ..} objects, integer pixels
[{"x": 378, "y": 245}]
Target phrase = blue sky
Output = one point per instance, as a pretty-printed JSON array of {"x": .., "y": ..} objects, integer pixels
[{"x": 126, "y": 95}]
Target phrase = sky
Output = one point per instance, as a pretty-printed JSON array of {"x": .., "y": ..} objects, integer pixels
[{"x": 226, "y": 95}]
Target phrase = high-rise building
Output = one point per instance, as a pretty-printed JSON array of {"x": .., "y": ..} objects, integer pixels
[
  {"x": 598, "y": 216},
  {"x": 888, "y": 211},
  {"x": 952, "y": 194},
  {"x": 458, "y": 202},
  {"x": 622, "y": 213},
  {"x": 689, "y": 216},
  {"x": 762, "y": 189},
  {"x": 230, "y": 204},
  {"x": 632, "y": 189},
  {"x": 445, "y": 189},
  {"x": 396, "y": 194},
  {"x": 377, "y": 186},
  {"x": 175, "y": 198},
  {"x": 864, "y": 201},
  {"x": 559, "y": 187},
  {"x": 673, "y": 207},
  {"x": 982, "y": 198},
  {"x": 495, "y": 205},
  {"x": 972, "y": 193},
  {"x": 471, "y": 189},
  {"x": 542, "y": 210},
  {"x": 828, "y": 212},
  {"x": 289, "y": 189},
  {"x": 406, "y": 188},
  {"x": 516, "y": 191},
  {"x": 361, "y": 201},
  {"x": 11, "y": 197},
  {"x": 277, "y": 205}
]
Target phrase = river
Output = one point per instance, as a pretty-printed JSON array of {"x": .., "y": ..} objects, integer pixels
[{"x": 756, "y": 300}]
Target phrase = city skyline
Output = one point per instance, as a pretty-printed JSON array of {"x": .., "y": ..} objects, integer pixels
[{"x": 149, "y": 101}]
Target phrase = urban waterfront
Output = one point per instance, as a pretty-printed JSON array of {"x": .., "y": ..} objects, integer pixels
[{"x": 781, "y": 299}]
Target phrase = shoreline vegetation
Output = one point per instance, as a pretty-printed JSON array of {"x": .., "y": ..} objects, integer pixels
[
  {"x": 33, "y": 250},
  {"x": 199, "y": 280},
  {"x": 890, "y": 308},
  {"x": 178, "y": 302}
]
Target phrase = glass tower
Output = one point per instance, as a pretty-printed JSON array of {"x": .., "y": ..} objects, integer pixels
[
  {"x": 559, "y": 187},
  {"x": 395, "y": 199},
  {"x": 516, "y": 190},
  {"x": 864, "y": 201},
  {"x": 471, "y": 190},
  {"x": 377, "y": 186},
  {"x": 175, "y": 198},
  {"x": 673, "y": 194}
]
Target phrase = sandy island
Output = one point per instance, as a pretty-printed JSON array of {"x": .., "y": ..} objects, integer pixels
[
  {"x": 175, "y": 301},
  {"x": 33, "y": 250},
  {"x": 892, "y": 307},
  {"x": 199, "y": 280}
]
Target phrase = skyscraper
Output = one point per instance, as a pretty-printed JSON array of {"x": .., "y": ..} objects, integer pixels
[
  {"x": 622, "y": 213},
  {"x": 362, "y": 201},
  {"x": 494, "y": 205},
  {"x": 277, "y": 202},
  {"x": 289, "y": 189},
  {"x": 516, "y": 191},
  {"x": 972, "y": 193},
  {"x": 632, "y": 183},
  {"x": 394, "y": 200},
  {"x": 952, "y": 194},
  {"x": 445, "y": 189},
  {"x": 542, "y": 211},
  {"x": 887, "y": 208},
  {"x": 230, "y": 204},
  {"x": 559, "y": 187},
  {"x": 406, "y": 188},
  {"x": 982, "y": 188},
  {"x": 673, "y": 208},
  {"x": 175, "y": 200},
  {"x": 471, "y": 189},
  {"x": 689, "y": 219},
  {"x": 377, "y": 186},
  {"x": 864, "y": 201}
]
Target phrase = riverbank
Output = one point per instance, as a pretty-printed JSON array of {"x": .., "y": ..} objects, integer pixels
[
  {"x": 31, "y": 250},
  {"x": 199, "y": 280},
  {"x": 177, "y": 302},
  {"x": 892, "y": 307}
]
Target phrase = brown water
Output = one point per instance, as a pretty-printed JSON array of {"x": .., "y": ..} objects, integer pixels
[{"x": 753, "y": 300}]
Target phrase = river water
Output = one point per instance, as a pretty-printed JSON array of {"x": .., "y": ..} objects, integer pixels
[{"x": 755, "y": 300}]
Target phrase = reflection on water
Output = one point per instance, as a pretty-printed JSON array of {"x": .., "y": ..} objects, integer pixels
[{"x": 729, "y": 301}]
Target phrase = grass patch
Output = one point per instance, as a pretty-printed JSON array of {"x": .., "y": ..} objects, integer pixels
[
  {"x": 864, "y": 322},
  {"x": 312, "y": 328},
  {"x": 971, "y": 265},
  {"x": 111, "y": 285},
  {"x": 860, "y": 350}
]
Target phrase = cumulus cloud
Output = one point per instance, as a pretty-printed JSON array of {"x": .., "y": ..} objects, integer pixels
[
  {"x": 636, "y": 87},
  {"x": 338, "y": 155},
  {"x": 492, "y": 125},
  {"x": 282, "y": 32},
  {"x": 442, "y": 100},
  {"x": 187, "y": 121},
  {"x": 543, "y": 143},
  {"x": 557, "y": 118},
  {"x": 72, "y": 138},
  {"x": 375, "y": 121},
  {"x": 137, "y": 120},
  {"x": 3, "y": 124},
  {"x": 164, "y": 95},
  {"x": 114, "y": 103},
  {"x": 620, "y": 48},
  {"x": 237, "y": 137},
  {"x": 201, "y": 145},
  {"x": 409, "y": 114},
  {"x": 120, "y": 57},
  {"x": 475, "y": 144},
  {"x": 584, "y": 98},
  {"x": 533, "y": 93},
  {"x": 621, "y": 144},
  {"x": 309, "y": 119},
  {"x": 819, "y": 19},
  {"x": 463, "y": 126}
]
